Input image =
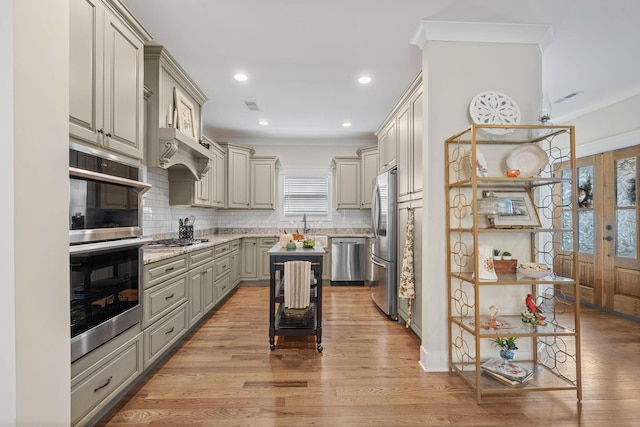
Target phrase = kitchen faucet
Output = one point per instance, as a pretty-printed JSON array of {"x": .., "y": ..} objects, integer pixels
[{"x": 305, "y": 230}]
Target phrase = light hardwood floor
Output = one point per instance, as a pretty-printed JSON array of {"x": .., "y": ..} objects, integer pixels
[{"x": 224, "y": 374}]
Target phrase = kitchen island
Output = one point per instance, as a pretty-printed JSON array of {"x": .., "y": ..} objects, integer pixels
[{"x": 278, "y": 324}]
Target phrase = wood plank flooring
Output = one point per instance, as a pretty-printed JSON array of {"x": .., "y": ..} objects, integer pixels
[{"x": 224, "y": 374}]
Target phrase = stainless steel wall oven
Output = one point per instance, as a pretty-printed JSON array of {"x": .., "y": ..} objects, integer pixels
[{"x": 105, "y": 252}]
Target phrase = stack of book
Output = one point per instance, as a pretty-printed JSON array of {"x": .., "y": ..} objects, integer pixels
[{"x": 510, "y": 374}]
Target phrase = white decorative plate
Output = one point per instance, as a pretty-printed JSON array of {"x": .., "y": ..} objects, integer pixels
[
  {"x": 528, "y": 158},
  {"x": 494, "y": 108}
]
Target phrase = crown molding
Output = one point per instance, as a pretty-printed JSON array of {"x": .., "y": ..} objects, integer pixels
[{"x": 482, "y": 32}]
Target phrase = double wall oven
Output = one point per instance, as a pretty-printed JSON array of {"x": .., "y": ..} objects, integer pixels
[{"x": 105, "y": 251}]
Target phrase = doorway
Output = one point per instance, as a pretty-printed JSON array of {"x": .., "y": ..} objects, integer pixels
[{"x": 608, "y": 230}]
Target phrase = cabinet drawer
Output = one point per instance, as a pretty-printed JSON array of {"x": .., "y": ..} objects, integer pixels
[
  {"x": 234, "y": 245},
  {"x": 164, "y": 298},
  {"x": 91, "y": 390},
  {"x": 221, "y": 250},
  {"x": 222, "y": 266},
  {"x": 200, "y": 257},
  {"x": 223, "y": 286},
  {"x": 267, "y": 242},
  {"x": 162, "y": 335},
  {"x": 163, "y": 270}
]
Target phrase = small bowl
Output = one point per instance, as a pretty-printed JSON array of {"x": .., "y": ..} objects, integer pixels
[
  {"x": 512, "y": 173},
  {"x": 533, "y": 270}
]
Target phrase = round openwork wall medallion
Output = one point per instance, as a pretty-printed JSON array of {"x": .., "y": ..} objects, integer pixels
[{"x": 494, "y": 108}]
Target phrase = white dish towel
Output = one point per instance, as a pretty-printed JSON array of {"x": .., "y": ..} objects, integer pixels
[{"x": 297, "y": 286}]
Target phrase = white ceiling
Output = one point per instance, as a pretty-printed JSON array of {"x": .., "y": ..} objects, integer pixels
[{"x": 303, "y": 57}]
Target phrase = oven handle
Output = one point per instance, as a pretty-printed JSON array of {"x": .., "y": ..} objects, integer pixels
[
  {"x": 97, "y": 176},
  {"x": 113, "y": 244}
]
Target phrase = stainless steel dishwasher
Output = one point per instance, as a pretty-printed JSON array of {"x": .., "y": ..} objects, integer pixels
[{"x": 348, "y": 257}]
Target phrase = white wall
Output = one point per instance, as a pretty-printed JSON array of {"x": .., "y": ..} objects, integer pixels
[
  {"x": 8, "y": 283},
  {"x": 453, "y": 73},
  {"x": 41, "y": 189}
]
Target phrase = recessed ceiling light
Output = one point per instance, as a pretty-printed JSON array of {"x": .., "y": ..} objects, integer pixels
[
  {"x": 241, "y": 77},
  {"x": 364, "y": 80},
  {"x": 263, "y": 123},
  {"x": 346, "y": 124}
]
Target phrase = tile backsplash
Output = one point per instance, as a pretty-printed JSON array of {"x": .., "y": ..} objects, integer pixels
[{"x": 161, "y": 220}]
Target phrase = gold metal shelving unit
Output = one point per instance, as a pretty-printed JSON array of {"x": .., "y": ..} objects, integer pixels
[{"x": 552, "y": 351}]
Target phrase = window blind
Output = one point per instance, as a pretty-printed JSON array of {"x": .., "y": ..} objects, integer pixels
[{"x": 306, "y": 194}]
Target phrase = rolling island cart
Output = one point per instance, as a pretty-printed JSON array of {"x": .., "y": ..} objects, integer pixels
[{"x": 278, "y": 324}]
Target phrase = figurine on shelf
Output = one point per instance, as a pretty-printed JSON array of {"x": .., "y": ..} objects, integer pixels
[
  {"x": 533, "y": 313},
  {"x": 493, "y": 322}
]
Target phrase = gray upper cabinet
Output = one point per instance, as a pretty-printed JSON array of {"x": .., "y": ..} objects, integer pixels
[
  {"x": 106, "y": 90},
  {"x": 238, "y": 175},
  {"x": 347, "y": 182},
  {"x": 368, "y": 172},
  {"x": 404, "y": 127},
  {"x": 264, "y": 172}
]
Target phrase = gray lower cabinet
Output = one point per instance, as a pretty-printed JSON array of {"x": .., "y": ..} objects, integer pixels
[
  {"x": 236, "y": 263},
  {"x": 222, "y": 271},
  {"x": 264, "y": 244},
  {"x": 200, "y": 283},
  {"x": 249, "y": 250},
  {"x": 177, "y": 293},
  {"x": 100, "y": 376},
  {"x": 162, "y": 335},
  {"x": 165, "y": 305}
]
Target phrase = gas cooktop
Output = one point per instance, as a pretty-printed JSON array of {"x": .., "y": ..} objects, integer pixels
[{"x": 172, "y": 243}]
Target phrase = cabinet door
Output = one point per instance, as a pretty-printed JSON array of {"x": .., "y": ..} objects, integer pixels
[
  {"x": 203, "y": 189},
  {"x": 238, "y": 179},
  {"x": 387, "y": 147},
  {"x": 219, "y": 180},
  {"x": 86, "y": 23},
  {"x": 196, "y": 282},
  {"x": 265, "y": 243},
  {"x": 249, "y": 259},
  {"x": 416, "y": 144},
  {"x": 348, "y": 185},
  {"x": 369, "y": 170},
  {"x": 236, "y": 268},
  {"x": 405, "y": 161},
  {"x": 208, "y": 287},
  {"x": 263, "y": 184},
  {"x": 123, "y": 87}
]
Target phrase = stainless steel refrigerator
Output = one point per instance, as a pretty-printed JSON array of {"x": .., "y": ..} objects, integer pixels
[{"x": 384, "y": 287}]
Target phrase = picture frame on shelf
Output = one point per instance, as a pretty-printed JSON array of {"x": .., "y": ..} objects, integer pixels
[
  {"x": 185, "y": 109},
  {"x": 525, "y": 215}
]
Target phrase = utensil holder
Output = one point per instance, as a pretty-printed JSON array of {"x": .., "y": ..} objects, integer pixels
[{"x": 185, "y": 232}]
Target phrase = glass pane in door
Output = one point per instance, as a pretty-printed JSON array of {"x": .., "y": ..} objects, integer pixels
[
  {"x": 626, "y": 233},
  {"x": 626, "y": 182},
  {"x": 567, "y": 217},
  {"x": 626, "y": 215},
  {"x": 586, "y": 232},
  {"x": 567, "y": 238},
  {"x": 585, "y": 187},
  {"x": 586, "y": 229}
]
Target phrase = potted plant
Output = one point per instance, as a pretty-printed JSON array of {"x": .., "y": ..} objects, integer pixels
[
  {"x": 496, "y": 254},
  {"x": 506, "y": 255},
  {"x": 507, "y": 345}
]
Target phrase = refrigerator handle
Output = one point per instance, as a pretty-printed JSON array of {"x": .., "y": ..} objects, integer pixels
[
  {"x": 375, "y": 210},
  {"x": 377, "y": 263}
]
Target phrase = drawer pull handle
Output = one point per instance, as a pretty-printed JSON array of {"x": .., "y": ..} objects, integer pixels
[
  {"x": 104, "y": 385},
  {"x": 169, "y": 297},
  {"x": 169, "y": 269},
  {"x": 169, "y": 331}
]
